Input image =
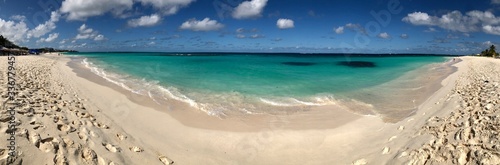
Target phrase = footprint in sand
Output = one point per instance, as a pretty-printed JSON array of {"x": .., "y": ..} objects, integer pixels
[
  {"x": 92, "y": 119},
  {"x": 135, "y": 149},
  {"x": 22, "y": 132},
  {"x": 49, "y": 144},
  {"x": 93, "y": 134},
  {"x": 25, "y": 111},
  {"x": 110, "y": 147},
  {"x": 4, "y": 154},
  {"x": 121, "y": 136},
  {"x": 56, "y": 119},
  {"x": 60, "y": 158},
  {"x": 386, "y": 150},
  {"x": 82, "y": 115},
  {"x": 36, "y": 125},
  {"x": 68, "y": 142},
  {"x": 165, "y": 160},
  {"x": 89, "y": 156},
  {"x": 392, "y": 138},
  {"x": 100, "y": 125},
  {"x": 83, "y": 135},
  {"x": 76, "y": 123},
  {"x": 87, "y": 123},
  {"x": 401, "y": 128},
  {"x": 5, "y": 119},
  {"x": 65, "y": 128},
  {"x": 360, "y": 162},
  {"x": 35, "y": 139}
]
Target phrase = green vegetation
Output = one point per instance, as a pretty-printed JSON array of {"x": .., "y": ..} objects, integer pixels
[
  {"x": 491, "y": 52},
  {"x": 4, "y": 42}
]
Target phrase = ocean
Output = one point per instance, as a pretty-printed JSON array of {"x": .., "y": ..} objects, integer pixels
[{"x": 221, "y": 84}]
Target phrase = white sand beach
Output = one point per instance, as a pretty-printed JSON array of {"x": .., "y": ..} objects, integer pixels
[{"x": 64, "y": 118}]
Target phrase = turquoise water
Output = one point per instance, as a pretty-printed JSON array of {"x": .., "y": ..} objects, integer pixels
[{"x": 223, "y": 82}]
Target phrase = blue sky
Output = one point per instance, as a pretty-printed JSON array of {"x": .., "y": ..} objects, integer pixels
[{"x": 305, "y": 26}]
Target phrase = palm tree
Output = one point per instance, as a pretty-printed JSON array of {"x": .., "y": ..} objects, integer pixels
[
  {"x": 492, "y": 51},
  {"x": 485, "y": 53}
]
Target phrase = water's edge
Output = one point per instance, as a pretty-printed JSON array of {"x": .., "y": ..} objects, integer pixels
[{"x": 385, "y": 107}]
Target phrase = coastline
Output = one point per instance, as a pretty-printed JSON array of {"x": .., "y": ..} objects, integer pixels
[
  {"x": 299, "y": 117},
  {"x": 270, "y": 140}
]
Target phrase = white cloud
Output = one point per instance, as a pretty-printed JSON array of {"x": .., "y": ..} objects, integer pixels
[
  {"x": 99, "y": 37},
  {"x": 17, "y": 31},
  {"x": 355, "y": 27},
  {"x": 404, "y": 36},
  {"x": 339, "y": 30},
  {"x": 18, "y": 17},
  {"x": 257, "y": 36},
  {"x": 46, "y": 27},
  {"x": 151, "y": 20},
  {"x": 51, "y": 38},
  {"x": 285, "y": 23},
  {"x": 84, "y": 29},
  {"x": 384, "y": 35},
  {"x": 14, "y": 31},
  {"x": 495, "y": 2},
  {"x": 472, "y": 21},
  {"x": 419, "y": 18},
  {"x": 492, "y": 29},
  {"x": 243, "y": 30},
  {"x": 85, "y": 32},
  {"x": 203, "y": 25},
  {"x": 63, "y": 41},
  {"x": 249, "y": 9},
  {"x": 82, "y": 9},
  {"x": 240, "y": 36},
  {"x": 430, "y": 30},
  {"x": 167, "y": 7},
  {"x": 488, "y": 43},
  {"x": 83, "y": 36}
]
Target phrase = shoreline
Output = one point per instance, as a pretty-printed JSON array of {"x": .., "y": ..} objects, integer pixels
[
  {"x": 300, "y": 118},
  {"x": 160, "y": 136},
  {"x": 185, "y": 114}
]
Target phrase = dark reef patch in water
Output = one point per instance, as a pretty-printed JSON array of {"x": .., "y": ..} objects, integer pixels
[
  {"x": 358, "y": 64},
  {"x": 299, "y": 63}
]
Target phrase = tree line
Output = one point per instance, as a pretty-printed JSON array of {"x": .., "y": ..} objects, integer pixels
[
  {"x": 4, "y": 42},
  {"x": 491, "y": 52}
]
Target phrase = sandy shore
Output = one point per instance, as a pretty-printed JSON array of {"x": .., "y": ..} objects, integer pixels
[{"x": 66, "y": 119}]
